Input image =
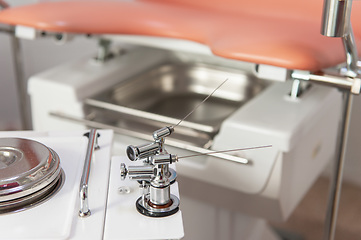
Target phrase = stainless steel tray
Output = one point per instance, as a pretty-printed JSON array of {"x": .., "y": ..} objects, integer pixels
[{"x": 163, "y": 95}]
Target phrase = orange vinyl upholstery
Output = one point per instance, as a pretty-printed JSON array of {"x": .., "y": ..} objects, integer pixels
[{"x": 283, "y": 33}]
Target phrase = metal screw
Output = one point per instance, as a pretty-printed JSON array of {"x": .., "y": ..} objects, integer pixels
[
  {"x": 123, "y": 171},
  {"x": 124, "y": 190}
]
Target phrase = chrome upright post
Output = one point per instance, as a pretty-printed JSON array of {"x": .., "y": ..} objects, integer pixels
[
  {"x": 336, "y": 23},
  {"x": 336, "y": 181}
]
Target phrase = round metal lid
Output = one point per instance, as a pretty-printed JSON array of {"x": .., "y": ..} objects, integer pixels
[{"x": 26, "y": 166}]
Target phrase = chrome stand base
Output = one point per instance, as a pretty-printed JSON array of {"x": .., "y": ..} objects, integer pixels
[{"x": 145, "y": 207}]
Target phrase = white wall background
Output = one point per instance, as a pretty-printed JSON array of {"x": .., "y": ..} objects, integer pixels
[{"x": 42, "y": 54}]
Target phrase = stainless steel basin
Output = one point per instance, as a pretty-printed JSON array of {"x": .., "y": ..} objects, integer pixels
[{"x": 167, "y": 93}]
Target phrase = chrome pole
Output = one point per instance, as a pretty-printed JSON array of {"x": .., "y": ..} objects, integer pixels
[
  {"x": 336, "y": 23},
  {"x": 84, "y": 210},
  {"x": 336, "y": 181},
  {"x": 336, "y": 18}
]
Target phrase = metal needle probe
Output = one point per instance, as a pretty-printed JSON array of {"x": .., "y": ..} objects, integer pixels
[
  {"x": 220, "y": 85},
  {"x": 213, "y": 152},
  {"x": 224, "y": 151}
]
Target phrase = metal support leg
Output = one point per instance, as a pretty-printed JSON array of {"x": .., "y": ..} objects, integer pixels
[
  {"x": 336, "y": 23},
  {"x": 336, "y": 181}
]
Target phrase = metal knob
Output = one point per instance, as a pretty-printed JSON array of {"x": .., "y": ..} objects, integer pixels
[
  {"x": 163, "y": 132},
  {"x": 123, "y": 171},
  {"x": 164, "y": 159},
  {"x": 135, "y": 153}
]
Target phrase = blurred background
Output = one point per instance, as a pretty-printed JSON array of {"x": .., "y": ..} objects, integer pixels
[{"x": 42, "y": 54}]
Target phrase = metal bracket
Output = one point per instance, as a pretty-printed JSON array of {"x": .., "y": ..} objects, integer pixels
[{"x": 351, "y": 84}]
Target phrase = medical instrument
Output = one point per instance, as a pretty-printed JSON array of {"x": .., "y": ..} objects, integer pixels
[
  {"x": 155, "y": 176},
  {"x": 298, "y": 119}
]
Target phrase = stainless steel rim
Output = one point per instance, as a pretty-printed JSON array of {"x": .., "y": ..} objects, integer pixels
[
  {"x": 32, "y": 200},
  {"x": 27, "y": 167}
]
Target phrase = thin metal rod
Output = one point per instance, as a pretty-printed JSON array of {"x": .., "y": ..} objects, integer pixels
[
  {"x": 83, "y": 190},
  {"x": 336, "y": 181},
  {"x": 201, "y": 103},
  {"x": 170, "y": 142},
  {"x": 225, "y": 151}
]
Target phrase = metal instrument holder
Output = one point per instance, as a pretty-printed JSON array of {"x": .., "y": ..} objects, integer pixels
[
  {"x": 155, "y": 176},
  {"x": 84, "y": 210}
]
